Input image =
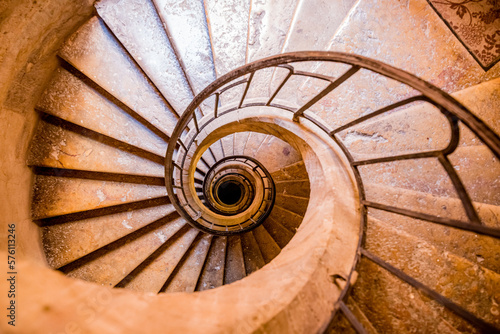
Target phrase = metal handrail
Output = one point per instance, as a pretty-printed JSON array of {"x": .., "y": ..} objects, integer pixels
[{"x": 448, "y": 106}]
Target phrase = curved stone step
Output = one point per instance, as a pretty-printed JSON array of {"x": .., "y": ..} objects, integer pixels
[
  {"x": 137, "y": 25},
  {"x": 267, "y": 245},
  {"x": 110, "y": 264},
  {"x": 212, "y": 275},
  {"x": 95, "y": 52},
  {"x": 65, "y": 243},
  {"x": 69, "y": 98},
  {"x": 427, "y": 175},
  {"x": 55, "y": 145},
  {"x": 278, "y": 232},
  {"x": 55, "y": 196},
  {"x": 153, "y": 273},
  {"x": 188, "y": 28},
  {"x": 467, "y": 284},
  {"x": 187, "y": 273},
  {"x": 228, "y": 33},
  {"x": 234, "y": 268},
  {"x": 390, "y": 312},
  {"x": 251, "y": 253}
]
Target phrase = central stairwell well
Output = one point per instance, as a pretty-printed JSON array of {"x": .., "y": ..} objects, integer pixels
[{"x": 344, "y": 188}]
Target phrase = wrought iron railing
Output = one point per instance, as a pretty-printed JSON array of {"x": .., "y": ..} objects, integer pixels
[{"x": 229, "y": 94}]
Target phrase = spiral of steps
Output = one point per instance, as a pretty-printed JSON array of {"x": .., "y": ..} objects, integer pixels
[{"x": 384, "y": 213}]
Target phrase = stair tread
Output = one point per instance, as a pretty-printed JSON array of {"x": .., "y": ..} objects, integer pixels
[
  {"x": 253, "y": 143},
  {"x": 279, "y": 233},
  {"x": 94, "y": 51},
  {"x": 297, "y": 205},
  {"x": 276, "y": 153},
  {"x": 251, "y": 253},
  {"x": 136, "y": 24},
  {"x": 212, "y": 275},
  {"x": 189, "y": 30},
  {"x": 296, "y": 171},
  {"x": 287, "y": 218},
  {"x": 375, "y": 283},
  {"x": 268, "y": 26},
  {"x": 300, "y": 188},
  {"x": 186, "y": 276},
  {"x": 240, "y": 142},
  {"x": 69, "y": 98},
  {"x": 447, "y": 207},
  {"x": 53, "y": 146},
  {"x": 268, "y": 247},
  {"x": 234, "y": 268},
  {"x": 64, "y": 243},
  {"x": 116, "y": 262},
  {"x": 54, "y": 196},
  {"x": 228, "y": 145},
  {"x": 228, "y": 34},
  {"x": 466, "y": 283},
  {"x": 156, "y": 271},
  {"x": 427, "y": 175}
]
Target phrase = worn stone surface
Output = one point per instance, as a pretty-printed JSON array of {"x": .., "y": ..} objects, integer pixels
[
  {"x": 468, "y": 284},
  {"x": 280, "y": 234},
  {"x": 235, "y": 266},
  {"x": 252, "y": 254},
  {"x": 187, "y": 24},
  {"x": 228, "y": 33},
  {"x": 136, "y": 24},
  {"x": 267, "y": 245},
  {"x": 53, "y": 146},
  {"x": 64, "y": 243},
  {"x": 186, "y": 277},
  {"x": 54, "y": 196},
  {"x": 70, "y": 99},
  {"x": 156, "y": 270},
  {"x": 115, "y": 263},
  {"x": 212, "y": 275},
  {"x": 95, "y": 52}
]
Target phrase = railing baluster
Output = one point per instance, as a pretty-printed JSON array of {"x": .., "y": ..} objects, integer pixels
[
  {"x": 325, "y": 91},
  {"x": 246, "y": 89},
  {"x": 290, "y": 69},
  {"x": 352, "y": 319}
]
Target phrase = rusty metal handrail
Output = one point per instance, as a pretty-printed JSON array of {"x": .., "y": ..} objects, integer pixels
[{"x": 449, "y": 107}]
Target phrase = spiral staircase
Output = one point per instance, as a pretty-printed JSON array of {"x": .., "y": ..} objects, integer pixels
[{"x": 194, "y": 170}]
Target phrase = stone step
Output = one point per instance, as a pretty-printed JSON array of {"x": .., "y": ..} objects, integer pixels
[
  {"x": 212, "y": 275},
  {"x": 69, "y": 98},
  {"x": 228, "y": 33},
  {"x": 297, "y": 205},
  {"x": 275, "y": 154},
  {"x": 294, "y": 172},
  {"x": 278, "y": 232},
  {"x": 186, "y": 275},
  {"x": 137, "y": 25},
  {"x": 340, "y": 323},
  {"x": 240, "y": 142},
  {"x": 287, "y": 218},
  {"x": 188, "y": 29},
  {"x": 253, "y": 143},
  {"x": 94, "y": 51},
  {"x": 65, "y": 243},
  {"x": 389, "y": 134},
  {"x": 55, "y": 145},
  {"x": 447, "y": 207},
  {"x": 267, "y": 245},
  {"x": 251, "y": 253},
  {"x": 110, "y": 264},
  {"x": 466, "y": 283},
  {"x": 56, "y": 195},
  {"x": 152, "y": 274},
  {"x": 234, "y": 268},
  {"x": 299, "y": 188},
  {"x": 442, "y": 60},
  {"x": 427, "y": 175},
  {"x": 393, "y": 306},
  {"x": 228, "y": 145}
]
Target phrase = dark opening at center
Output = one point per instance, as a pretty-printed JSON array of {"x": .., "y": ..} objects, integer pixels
[{"x": 229, "y": 192}]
